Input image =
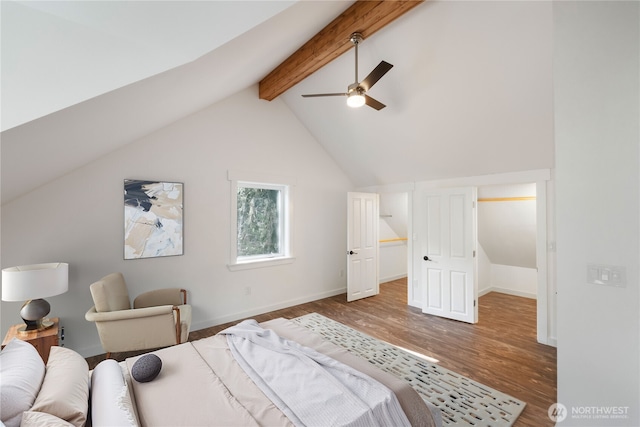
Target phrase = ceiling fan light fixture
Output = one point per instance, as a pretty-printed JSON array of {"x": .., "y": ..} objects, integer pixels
[{"x": 355, "y": 100}]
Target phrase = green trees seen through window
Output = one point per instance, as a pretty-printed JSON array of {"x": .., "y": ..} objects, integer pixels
[{"x": 258, "y": 221}]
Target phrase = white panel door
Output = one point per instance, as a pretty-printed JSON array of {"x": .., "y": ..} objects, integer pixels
[
  {"x": 448, "y": 254},
  {"x": 362, "y": 245}
]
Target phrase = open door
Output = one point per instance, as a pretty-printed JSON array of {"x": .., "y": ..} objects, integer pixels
[
  {"x": 362, "y": 245},
  {"x": 448, "y": 253}
]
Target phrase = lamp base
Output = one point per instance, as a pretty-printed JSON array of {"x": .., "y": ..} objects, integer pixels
[
  {"x": 36, "y": 326},
  {"x": 34, "y": 313}
]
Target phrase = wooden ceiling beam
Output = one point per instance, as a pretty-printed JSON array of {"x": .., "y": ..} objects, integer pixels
[{"x": 364, "y": 16}]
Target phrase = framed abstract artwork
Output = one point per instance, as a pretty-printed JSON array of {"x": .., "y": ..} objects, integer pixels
[{"x": 153, "y": 215}]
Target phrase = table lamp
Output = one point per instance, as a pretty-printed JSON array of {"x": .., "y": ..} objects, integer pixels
[{"x": 32, "y": 283}]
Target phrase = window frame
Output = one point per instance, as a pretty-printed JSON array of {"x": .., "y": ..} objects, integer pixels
[{"x": 269, "y": 182}]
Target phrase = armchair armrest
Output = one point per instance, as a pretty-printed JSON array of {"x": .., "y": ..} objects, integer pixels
[
  {"x": 137, "y": 329},
  {"x": 93, "y": 316},
  {"x": 168, "y": 296}
]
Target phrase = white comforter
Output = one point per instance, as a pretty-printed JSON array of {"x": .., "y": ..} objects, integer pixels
[{"x": 283, "y": 370}]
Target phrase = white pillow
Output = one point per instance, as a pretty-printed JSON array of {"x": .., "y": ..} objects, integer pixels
[
  {"x": 110, "y": 401},
  {"x": 22, "y": 371},
  {"x": 65, "y": 389}
]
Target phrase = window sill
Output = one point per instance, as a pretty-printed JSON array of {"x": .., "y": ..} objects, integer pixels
[{"x": 270, "y": 262}]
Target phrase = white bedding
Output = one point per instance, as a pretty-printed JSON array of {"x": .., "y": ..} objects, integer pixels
[{"x": 285, "y": 370}]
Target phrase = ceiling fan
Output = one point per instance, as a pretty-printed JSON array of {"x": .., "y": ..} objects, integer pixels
[{"x": 357, "y": 92}]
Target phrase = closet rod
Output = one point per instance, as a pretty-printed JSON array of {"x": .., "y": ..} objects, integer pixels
[{"x": 399, "y": 239}]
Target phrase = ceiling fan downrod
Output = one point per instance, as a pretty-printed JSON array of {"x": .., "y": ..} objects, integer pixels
[{"x": 356, "y": 39}]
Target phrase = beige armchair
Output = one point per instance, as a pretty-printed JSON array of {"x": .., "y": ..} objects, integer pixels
[{"x": 159, "y": 318}]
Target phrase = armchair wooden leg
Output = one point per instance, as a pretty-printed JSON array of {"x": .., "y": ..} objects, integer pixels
[
  {"x": 108, "y": 355},
  {"x": 178, "y": 325}
]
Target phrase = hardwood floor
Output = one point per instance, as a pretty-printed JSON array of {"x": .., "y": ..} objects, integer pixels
[{"x": 500, "y": 351}]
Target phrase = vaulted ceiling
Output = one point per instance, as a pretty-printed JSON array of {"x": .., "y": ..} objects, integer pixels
[{"x": 470, "y": 92}]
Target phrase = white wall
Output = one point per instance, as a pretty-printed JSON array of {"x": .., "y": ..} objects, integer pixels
[
  {"x": 506, "y": 279},
  {"x": 512, "y": 280},
  {"x": 393, "y": 255},
  {"x": 597, "y": 112},
  {"x": 484, "y": 272},
  {"x": 507, "y": 228},
  {"x": 393, "y": 261},
  {"x": 79, "y": 218},
  {"x": 394, "y": 210}
]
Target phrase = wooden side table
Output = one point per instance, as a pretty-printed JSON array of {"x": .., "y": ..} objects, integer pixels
[{"x": 41, "y": 340}]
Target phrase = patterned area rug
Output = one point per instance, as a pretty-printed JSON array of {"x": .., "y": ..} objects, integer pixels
[{"x": 460, "y": 400}]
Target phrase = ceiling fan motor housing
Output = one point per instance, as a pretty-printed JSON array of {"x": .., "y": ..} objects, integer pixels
[{"x": 355, "y": 87}]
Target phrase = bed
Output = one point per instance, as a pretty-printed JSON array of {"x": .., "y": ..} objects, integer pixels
[{"x": 201, "y": 383}]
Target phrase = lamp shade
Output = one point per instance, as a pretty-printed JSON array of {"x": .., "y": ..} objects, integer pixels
[{"x": 34, "y": 281}]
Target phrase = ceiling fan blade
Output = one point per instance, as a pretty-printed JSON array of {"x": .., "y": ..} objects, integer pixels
[
  {"x": 373, "y": 103},
  {"x": 375, "y": 75},
  {"x": 313, "y": 95}
]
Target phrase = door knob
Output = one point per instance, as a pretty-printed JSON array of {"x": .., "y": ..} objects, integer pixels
[
  {"x": 426, "y": 258},
  {"x": 353, "y": 253}
]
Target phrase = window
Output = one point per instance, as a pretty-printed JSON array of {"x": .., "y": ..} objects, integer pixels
[{"x": 260, "y": 221}]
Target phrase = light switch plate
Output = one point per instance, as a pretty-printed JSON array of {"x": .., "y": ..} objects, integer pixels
[{"x": 607, "y": 275}]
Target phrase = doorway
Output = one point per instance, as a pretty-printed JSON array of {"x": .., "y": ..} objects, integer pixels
[
  {"x": 507, "y": 252},
  {"x": 545, "y": 236},
  {"x": 393, "y": 229},
  {"x": 544, "y": 248}
]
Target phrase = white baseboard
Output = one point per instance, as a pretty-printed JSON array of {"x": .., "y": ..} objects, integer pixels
[
  {"x": 551, "y": 341},
  {"x": 484, "y": 291},
  {"x": 392, "y": 278},
  {"x": 265, "y": 309},
  {"x": 508, "y": 292}
]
